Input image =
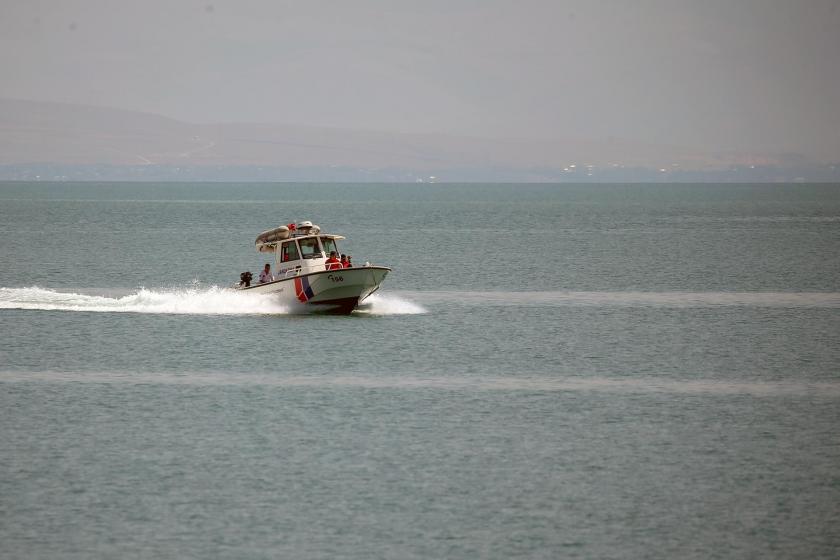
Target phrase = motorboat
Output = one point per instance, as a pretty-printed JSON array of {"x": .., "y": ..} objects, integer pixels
[{"x": 303, "y": 274}]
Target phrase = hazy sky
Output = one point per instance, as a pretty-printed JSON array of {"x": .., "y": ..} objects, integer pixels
[{"x": 733, "y": 74}]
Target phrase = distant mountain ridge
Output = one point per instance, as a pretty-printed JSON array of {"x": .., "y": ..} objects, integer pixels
[{"x": 47, "y": 135}]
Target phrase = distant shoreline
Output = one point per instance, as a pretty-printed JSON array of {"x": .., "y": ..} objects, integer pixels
[{"x": 252, "y": 174}]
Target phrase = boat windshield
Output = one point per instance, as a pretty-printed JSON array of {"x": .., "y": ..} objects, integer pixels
[
  {"x": 329, "y": 245},
  {"x": 289, "y": 251},
  {"x": 309, "y": 248}
]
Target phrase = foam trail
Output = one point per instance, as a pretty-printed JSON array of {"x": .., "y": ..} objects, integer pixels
[
  {"x": 381, "y": 304},
  {"x": 676, "y": 299},
  {"x": 554, "y": 383},
  {"x": 186, "y": 301}
]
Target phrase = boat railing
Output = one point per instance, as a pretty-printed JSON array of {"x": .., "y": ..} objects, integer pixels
[{"x": 291, "y": 273}]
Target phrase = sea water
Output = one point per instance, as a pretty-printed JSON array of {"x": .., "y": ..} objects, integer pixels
[{"x": 549, "y": 371}]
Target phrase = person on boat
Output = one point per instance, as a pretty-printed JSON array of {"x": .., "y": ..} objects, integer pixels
[
  {"x": 333, "y": 263},
  {"x": 343, "y": 260},
  {"x": 265, "y": 275}
]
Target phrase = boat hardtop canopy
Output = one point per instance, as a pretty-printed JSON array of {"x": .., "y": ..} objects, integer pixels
[{"x": 268, "y": 240}]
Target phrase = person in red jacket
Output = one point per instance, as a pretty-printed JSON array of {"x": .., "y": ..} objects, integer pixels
[
  {"x": 333, "y": 263},
  {"x": 344, "y": 262}
]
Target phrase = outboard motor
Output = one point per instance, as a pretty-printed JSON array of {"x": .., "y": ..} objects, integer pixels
[{"x": 245, "y": 279}]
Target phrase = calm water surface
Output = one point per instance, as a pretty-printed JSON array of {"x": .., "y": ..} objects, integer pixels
[{"x": 550, "y": 371}]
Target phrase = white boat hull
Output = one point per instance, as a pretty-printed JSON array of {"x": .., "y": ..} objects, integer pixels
[{"x": 330, "y": 291}]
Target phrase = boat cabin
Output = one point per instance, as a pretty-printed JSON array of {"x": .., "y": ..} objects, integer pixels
[{"x": 298, "y": 248}]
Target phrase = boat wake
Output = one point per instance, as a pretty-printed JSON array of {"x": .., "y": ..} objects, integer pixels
[
  {"x": 452, "y": 382},
  {"x": 675, "y": 299},
  {"x": 381, "y": 304},
  {"x": 182, "y": 301}
]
